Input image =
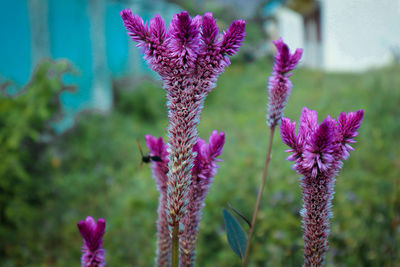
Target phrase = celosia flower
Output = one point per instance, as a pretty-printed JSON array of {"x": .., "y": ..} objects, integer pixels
[
  {"x": 318, "y": 152},
  {"x": 92, "y": 233},
  {"x": 189, "y": 57},
  {"x": 279, "y": 85},
  {"x": 160, "y": 170},
  {"x": 203, "y": 171}
]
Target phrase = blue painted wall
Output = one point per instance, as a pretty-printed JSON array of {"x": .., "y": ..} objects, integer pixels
[
  {"x": 70, "y": 38},
  {"x": 68, "y": 32},
  {"x": 15, "y": 52}
]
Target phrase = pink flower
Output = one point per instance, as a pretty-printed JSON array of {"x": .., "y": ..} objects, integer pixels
[
  {"x": 204, "y": 170},
  {"x": 92, "y": 233},
  {"x": 318, "y": 151},
  {"x": 279, "y": 86},
  {"x": 158, "y": 148}
]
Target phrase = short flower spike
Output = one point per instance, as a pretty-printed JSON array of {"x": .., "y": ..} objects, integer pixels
[
  {"x": 318, "y": 151},
  {"x": 92, "y": 233},
  {"x": 279, "y": 85}
]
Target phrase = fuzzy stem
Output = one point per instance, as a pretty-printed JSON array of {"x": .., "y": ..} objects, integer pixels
[
  {"x": 175, "y": 246},
  {"x": 260, "y": 191}
]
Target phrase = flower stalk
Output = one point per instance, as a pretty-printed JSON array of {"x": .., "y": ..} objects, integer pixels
[
  {"x": 259, "y": 195},
  {"x": 175, "y": 246}
]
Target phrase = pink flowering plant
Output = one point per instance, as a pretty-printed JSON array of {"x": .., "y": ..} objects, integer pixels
[
  {"x": 189, "y": 56},
  {"x": 318, "y": 151},
  {"x": 92, "y": 234},
  {"x": 279, "y": 88}
]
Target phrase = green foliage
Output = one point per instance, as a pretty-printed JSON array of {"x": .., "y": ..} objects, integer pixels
[
  {"x": 93, "y": 170},
  {"x": 235, "y": 234},
  {"x": 25, "y": 132}
]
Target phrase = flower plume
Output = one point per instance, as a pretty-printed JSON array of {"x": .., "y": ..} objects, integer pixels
[
  {"x": 92, "y": 234},
  {"x": 318, "y": 151},
  {"x": 204, "y": 170},
  {"x": 137, "y": 29},
  {"x": 189, "y": 58},
  {"x": 279, "y": 85},
  {"x": 233, "y": 37}
]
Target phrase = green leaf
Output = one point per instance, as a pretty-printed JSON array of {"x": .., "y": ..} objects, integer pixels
[
  {"x": 237, "y": 238},
  {"x": 240, "y": 215}
]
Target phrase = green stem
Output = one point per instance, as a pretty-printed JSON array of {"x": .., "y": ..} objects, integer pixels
[
  {"x": 175, "y": 245},
  {"x": 260, "y": 191}
]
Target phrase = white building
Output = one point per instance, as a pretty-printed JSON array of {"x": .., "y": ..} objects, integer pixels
[{"x": 342, "y": 35}]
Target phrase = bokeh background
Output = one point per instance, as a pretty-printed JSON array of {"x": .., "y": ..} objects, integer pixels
[{"x": 76, "y": 95}]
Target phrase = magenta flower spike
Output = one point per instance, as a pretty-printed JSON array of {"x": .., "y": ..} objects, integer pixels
[
  {"x": 204, "y": 170},
  {"x": 188, "y": 56},
  {"x": 318, "y": 152},
  {"x": 160, "y": 170},
  {"x": 279, "y": 85},
  {"x": 92, "y": 233}
]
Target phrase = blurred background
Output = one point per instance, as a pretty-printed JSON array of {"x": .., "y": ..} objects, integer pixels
[{"x": 76, "y": 94}]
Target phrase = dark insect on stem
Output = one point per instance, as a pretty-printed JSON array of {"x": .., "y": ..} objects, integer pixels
[{"x": 147, "y": 158}]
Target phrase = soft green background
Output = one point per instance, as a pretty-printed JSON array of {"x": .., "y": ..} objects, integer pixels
[{"x": 49, "y": 182}]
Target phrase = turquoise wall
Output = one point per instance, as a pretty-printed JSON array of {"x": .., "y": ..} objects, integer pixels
[
  {"x": 66, "y": 29},
  {"x": 15, "y": 52}
]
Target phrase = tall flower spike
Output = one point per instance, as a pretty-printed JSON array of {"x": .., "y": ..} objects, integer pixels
[
  {"x": 204, "y": 170},
  {"x": 279, "y": 85},
  {"x": 189, "y": 66},
  {"x": 318, "y": 152},
  {"x": 92, "y": 233}
]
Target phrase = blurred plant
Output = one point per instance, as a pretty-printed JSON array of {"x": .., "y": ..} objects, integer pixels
[
  {"x": 189, "y": 57},
  {"x": 92, "y": 234},
  {"x": 26, "y": 132},
  {"x": 318, "y": 152}
]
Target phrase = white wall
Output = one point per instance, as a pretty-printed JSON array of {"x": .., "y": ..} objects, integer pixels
[
  {"x": 290, "y": 28},
  {"x": 358, "y": 34}
]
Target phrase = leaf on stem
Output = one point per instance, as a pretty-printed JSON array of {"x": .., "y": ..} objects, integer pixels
[
  {"x": 240, "y": 215},
  {"x": 236, "y": 236}
]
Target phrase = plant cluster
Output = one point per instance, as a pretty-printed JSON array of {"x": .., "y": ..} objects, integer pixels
[{"x": 189, "y": 57}]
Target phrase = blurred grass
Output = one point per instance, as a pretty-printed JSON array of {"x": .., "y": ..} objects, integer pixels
[{"x": 93, "y": 170}]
